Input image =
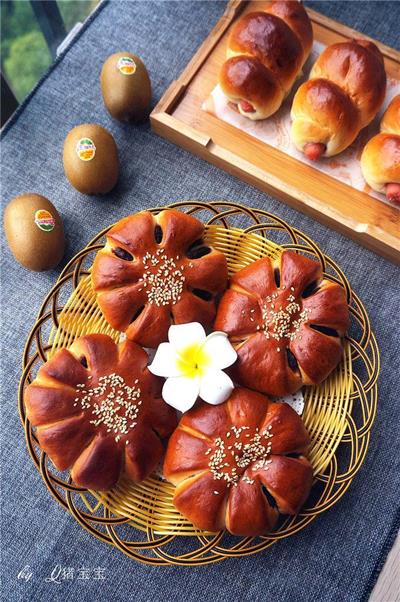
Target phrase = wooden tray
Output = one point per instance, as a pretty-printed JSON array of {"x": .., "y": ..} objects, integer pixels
[{"x": 179, "y": 118}]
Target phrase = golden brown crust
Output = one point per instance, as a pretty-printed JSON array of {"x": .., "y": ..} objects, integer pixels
[
  {"x": 323, "y": 113},
  {"x": 150, "y": 275},
  {"x": 390, "y": 123},
  {"x": 356, "y": 67},
  {"x": 288, "y": 480},
  {"x": 195, "y": 498},
  {"x": 266, "y": 51},
  {"x": 380, "y": 161},
  {"x": 98, "y": 411},
  {"x": 295, "y": 16},
  {"x": 286, "y": 334},
  {"x": 246, "y": 77},
  {"x": 345, "y": 91},
  {"x": 255, "y": 436},
  {"x": 248, "y": 511},
  {"x": 269, "y": 39}
]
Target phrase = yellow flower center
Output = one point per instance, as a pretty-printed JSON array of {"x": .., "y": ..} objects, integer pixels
[{"x": 193, "y": 361}]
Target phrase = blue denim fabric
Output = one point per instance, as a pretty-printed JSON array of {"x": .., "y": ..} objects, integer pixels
[{"x": 338, "y": 556}]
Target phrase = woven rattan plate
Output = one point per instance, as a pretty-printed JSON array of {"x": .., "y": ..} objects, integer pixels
[{"x": 139, "y": 519}]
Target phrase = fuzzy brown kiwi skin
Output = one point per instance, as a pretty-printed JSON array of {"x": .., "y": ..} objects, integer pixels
[
  {"x": 100, "y": 174},
  {"x": 126, "y": 97},
  {"x": 33, "y": 248}
]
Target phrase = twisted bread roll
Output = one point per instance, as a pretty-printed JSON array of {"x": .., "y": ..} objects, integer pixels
[
  {"x": 380, "y": 160},
  {"x": 266, "y": 52},
  {"x": 345, "y": 91}
]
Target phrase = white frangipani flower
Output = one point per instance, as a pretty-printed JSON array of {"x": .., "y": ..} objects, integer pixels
[{"x": 193, "y": 365}]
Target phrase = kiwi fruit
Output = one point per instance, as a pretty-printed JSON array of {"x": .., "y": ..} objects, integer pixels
[
  {"x": 126, "y": 87},
  {"x": 91, "y": 159},
  {"x": 34, "y": 231}
]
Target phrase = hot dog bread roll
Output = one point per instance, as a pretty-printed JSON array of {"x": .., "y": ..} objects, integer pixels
[
  {"x": 265, "y": 55},
  {"x": 346, "y": 89},
  {"x": 380, "y": 160}
]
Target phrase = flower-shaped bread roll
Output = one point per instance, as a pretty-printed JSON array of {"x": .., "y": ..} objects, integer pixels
[
  {"x": 154, "y": 271},
  {"x": 239, "y": 464},
  {"x": 285, "y": 321},
  {"x": 98, "y": 411}
]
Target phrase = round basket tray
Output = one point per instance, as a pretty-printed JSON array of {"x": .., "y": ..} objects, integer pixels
[{"x": 140, "y": 519}]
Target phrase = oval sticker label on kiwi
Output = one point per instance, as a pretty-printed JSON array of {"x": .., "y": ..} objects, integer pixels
[
  {"x": 85, "y": 149},
  {"x": 126, "y": 65},
  {"x": 44, "y": 220}
]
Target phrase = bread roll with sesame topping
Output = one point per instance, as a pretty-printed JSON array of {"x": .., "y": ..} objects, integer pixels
[
  {"x": 238, "y": 465},
  {"x": 98, "y": 412},
  {"x": 286, "y": 322},
  {"x": 156, "y": 270}
]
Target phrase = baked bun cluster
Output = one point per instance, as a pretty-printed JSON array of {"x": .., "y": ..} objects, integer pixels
[
  {"x": 156, "y": 270},
  {"x": 99, "y": 412},
  {"x": 346, "y": 88},
  {"x": 345, "y": 91},
  {"x": 265, "y": 54},
  {"x": 285, "y": 321},
  {"x": 238, "y": 465},
  {"x": 380, "y": 160}
]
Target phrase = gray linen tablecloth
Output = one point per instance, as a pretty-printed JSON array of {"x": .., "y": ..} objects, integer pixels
[{"x": 338, "y": 556}]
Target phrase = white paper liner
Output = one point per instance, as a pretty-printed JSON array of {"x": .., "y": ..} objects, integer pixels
[
  {"x": 295, "y": 401},
  {"x": 275, "y": 131}
]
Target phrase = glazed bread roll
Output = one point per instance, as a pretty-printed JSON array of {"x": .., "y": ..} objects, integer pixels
[
  {"x": 156, "y": 270},
  {"x": 266, "y": 52},
  {"x": 286, "y": 322},
  {"x": 239, "y": 465},
  {"x": 380, "y": 160},
  {"x": 98, "y": 411},
  {"x": 345, "y": 91},
  {"x": 390, "y": 123}
]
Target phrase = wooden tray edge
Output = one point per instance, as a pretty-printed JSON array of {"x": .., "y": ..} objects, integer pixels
[{"x": 203, "y": 146}]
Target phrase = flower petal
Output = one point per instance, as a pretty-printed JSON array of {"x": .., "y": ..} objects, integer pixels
[
  {"x": 151, "y": 326},
  {"x": 317, "y": 354},
  {"x": 164, "y": 362},
  {"x": 186, "y": 455},
  {"x": 64, "y": 441},
  {"x": 289, "y": 433},
  {"x": 202, "y": 499},
  {"x": 262, "y": 367},
  {"x": 248, "y": 512},
  {"x": 181, "y": 392},
  {"x": 220, "y": 350},
  {"x": 182, "y": 336},
  {"x": 102, "y": 452},
  {"x": 238, "y": 314},
  {"x": 328, "y": 307},
  {"x": 142, "y": 453},
  {"x": 288, "y": 480},
  {"x": 215, "y": 387}
]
